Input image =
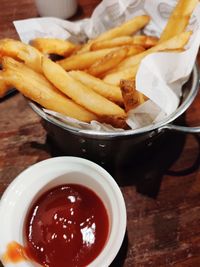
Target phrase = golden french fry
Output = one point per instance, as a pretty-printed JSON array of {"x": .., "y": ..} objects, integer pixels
[
  {"x": 128, "y": 28},
  {"x": 4, "y": 86},
  {"x": 37, "y": 88},
  {"x": 80, "y": 93},
  {"x": 134, "y": 50},
  {"x": 23, "y": 52},
  {"x": 145, "y": 40},
  {"x": 83, "y": 61},
  {"x": 115, "y": 42},
  {"x": 54, "y": 46},
  {"x": 129, "y": 94},
  {"x": 177, "y": 42},
  {"x": 142, "y": 40},
  {"x": 125, "y": 74},
  {"x": 109, "y": 91},
  {"x": 108, "y": 62},
  {"x": 179, "y": 19}
]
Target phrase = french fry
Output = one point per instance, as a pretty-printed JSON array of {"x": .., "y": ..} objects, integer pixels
[
  {"x": 83, "y": 61},
  {"x": 134, "y": 49},
  {"x": 145, "y": 40},
  {"x": 176, "y": 42},
  {"x": 112, "y": 59},
  {"x": 179, "y": 19},
  {"x": 54, "y": 46},
  {"x": 36, "y": 87},
  {"x": 108, "y": 62},
  {"x": 81, "y": 94},
  {"x": 125, "y": 74},
  {"x": 111, "y": 92},
  {"x": 128, "y": 28},
  {"x": 129, "y": 94},
  {"x": 142, "y": 40},
  {"x": 115, "y": 42},
  {"x": 23, "y": 52}
]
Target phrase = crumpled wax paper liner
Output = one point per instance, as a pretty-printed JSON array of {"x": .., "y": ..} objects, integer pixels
[{"x": 160, "y": 75}]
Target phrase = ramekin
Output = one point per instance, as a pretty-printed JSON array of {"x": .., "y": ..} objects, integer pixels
[{"x": 42, "y": 176}]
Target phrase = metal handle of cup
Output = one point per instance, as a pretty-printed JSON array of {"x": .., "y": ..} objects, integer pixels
[{"x": 182, "y": 129}]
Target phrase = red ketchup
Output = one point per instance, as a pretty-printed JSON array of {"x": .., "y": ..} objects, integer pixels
[{"x": 66, "y": 226}]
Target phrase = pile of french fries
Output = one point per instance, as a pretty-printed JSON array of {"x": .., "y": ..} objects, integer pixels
[{"x": 92, "y": 81}]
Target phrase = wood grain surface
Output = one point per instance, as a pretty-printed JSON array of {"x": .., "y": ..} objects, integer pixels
[{"x": 161, "y": 188}]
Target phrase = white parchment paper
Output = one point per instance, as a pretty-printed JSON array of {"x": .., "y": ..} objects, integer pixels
[{"x": 160, "y": 76}]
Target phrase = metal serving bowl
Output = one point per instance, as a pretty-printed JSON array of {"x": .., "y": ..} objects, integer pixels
[{"x": 114, "y": 148}]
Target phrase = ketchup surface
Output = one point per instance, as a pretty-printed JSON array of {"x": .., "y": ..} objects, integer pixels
[{"x": 66, "y": 226}]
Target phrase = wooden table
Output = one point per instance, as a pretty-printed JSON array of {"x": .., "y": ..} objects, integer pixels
[{"x": 162, "y": 190}]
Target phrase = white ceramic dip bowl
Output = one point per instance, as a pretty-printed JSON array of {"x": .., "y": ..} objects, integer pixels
[{"x": 39, "y": 178}]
